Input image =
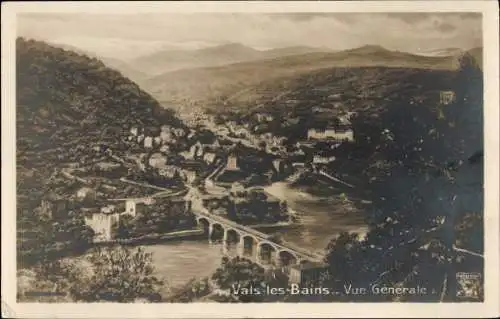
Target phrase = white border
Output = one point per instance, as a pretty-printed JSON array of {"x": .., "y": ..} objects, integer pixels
[{"x": 490, "y": 308}]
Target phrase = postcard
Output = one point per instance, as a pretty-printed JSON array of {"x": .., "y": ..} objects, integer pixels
[{"x": 250, "y": 159}]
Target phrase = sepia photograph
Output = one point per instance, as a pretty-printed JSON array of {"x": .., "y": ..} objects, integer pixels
[{"x": 211, "y": 156}]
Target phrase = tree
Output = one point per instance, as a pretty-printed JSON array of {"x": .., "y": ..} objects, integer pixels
[
  {"x": 117, "y": 275},
  {"x": 240, "y": 273},
  {"x": 426, "y": 193}
]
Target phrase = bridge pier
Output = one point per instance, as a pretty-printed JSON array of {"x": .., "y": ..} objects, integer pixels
[
  {"x": 247, "y": 239},
  {"x": 240, "y": 248},
  {"x": 210, "y": 231},
  {"x": 258, "y": 251}
]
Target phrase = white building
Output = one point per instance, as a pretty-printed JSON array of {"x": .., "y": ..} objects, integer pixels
[
  {"x": 165, "y": 136},
  {"x": 157, "y": 160},
  {"x": 232, "y": 163},
  {"x": 134, "y": 131},
  {"x": 101, "y": 225},
  {"x": 330, "y": 133},
  {"x": 84, "y": 192},
  {"x": 167, "y": 171},
  {"x": 157, "y": 140},
  {"x": 148, "y": 142},
  {"x": 130, "y": 208},
  {"x": 318, "y": 159},
  {"x": 209, "y": 158},
  {"x": 165, "y": 149},
  {"x": 179, "y": 132},
  {"x": 108, "y": 209},
  {"x": 189, "y": 175}
]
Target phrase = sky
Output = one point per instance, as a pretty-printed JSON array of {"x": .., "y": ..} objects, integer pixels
[{"x": 128, "y": 36}]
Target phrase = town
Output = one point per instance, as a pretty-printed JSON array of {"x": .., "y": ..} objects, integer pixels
[{"x": 206, "y": 181}]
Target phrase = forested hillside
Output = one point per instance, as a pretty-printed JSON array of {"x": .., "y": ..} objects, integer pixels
[{"x": 70, "y": 108}]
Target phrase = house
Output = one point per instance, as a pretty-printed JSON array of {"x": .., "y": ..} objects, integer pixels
[
  {"x": 189, "y": 175},
  {"x": 278, "y": 140},
  {"x": 157, "y": 160},
  {"x": 262, "y": 117},
  {"x": 165, "y": 149},
  {"x": 85, "y": 192},
  {"x": 148, "y": 142},
  {"x": 447, "y": 97},
  {"x": 334, "y": 97},
  {"x": 222, "y": 130},
  {"x": 157, "y": 140},
  {"x": 209, "y": 158},
  {"x": 232, "y": 163},
  {"x": 179, "y": 132},
  {"x": 134, "y": 131},
  {"x": 101, "y": 225},
  {"x": 186, "y": 155},
  {"x": 241, "y": 132},
  {"x": 341, "y": 134},
  {"x": 318, "y": 159},
  {"x": 166, "y": 136},
  {"x": 140, "y": 138},
  {"x": 148, "y": 201},
  {"x": 237, "y": 189},
  {"x": 108, "y": 209},
  {"x": 216, "y": 143},
  {"x": 130, "y": 208},
  {"x": 168, "y": 171},
  {"x": 306, "y": 272}
]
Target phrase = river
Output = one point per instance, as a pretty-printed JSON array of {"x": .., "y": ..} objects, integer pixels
[{"x": 320, "y": 219}]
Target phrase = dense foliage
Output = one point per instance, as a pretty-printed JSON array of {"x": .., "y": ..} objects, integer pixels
[
  {"x": 70, "y": 109},
  {"x": 160, "y": 218},
  {"x": 106, "y": 274},
  {"x": 426, "y": 185}
]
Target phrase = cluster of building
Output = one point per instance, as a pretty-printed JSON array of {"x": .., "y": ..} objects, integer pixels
[
  {"x": 102, "y": 220},
  {"x": 331, "y": 133},
  {"x": 167, "y": 135}
]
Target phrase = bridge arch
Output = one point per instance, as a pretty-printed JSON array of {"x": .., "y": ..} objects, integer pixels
[
  {"x": 232, "y": 236},
  {"x": 249, "y": 245},
  {"x": 287, "y": 258},
  {"x": 266, "y": 253},
  {"x": 203, "y": 223},
  {"x": 217, "y": 231}
]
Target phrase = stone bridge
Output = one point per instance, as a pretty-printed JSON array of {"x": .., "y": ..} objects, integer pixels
[{"x": 251, "y": 243}]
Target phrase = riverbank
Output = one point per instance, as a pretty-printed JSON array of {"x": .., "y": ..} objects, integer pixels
[{"x": 152, "y": 239}]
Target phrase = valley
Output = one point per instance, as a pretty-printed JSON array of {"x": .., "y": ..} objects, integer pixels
[{"x": 361, "y": 148}]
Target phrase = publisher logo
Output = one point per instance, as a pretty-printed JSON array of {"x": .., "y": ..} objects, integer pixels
[{"x": 469, "y": 285}]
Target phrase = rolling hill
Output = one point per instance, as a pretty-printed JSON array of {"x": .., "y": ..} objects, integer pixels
[
  {"x": 170, "y": 60},
  {"x": 67, "y": 105},
  {"x": 212, "y": 86}
]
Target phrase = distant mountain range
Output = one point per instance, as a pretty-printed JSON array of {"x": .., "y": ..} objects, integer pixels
[
  {"x": 170, "y": 60},
  {"x": 220, "y": 72},
  {"x": 220, "y": 82}
]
